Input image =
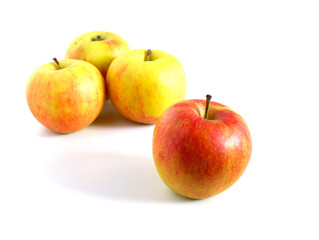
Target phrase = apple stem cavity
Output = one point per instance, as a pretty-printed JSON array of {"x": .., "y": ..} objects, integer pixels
[
  {"x": 97, "y": 38},
  {"x": 57, "y": 63},
  {"x": 148, "y": 55},
  {"x": 208, "y": 98}
]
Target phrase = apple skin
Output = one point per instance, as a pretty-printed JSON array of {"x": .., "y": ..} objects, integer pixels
[
  {"x": 197, "y": 157},
  {"x": 68, "y": 99},
  {"x": 142, "y": 90},
  {"x": 100, "y": 52}
]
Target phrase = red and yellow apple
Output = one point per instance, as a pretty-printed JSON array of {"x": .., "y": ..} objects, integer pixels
[
  {"x": 199, "y": 156},
  {"x": 142, "y": 84},
  {"x": 98, "y": 48},
  {"x": 67, "y": 95}
]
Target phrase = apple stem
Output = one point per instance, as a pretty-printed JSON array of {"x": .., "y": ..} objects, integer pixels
[
  {"x": 98, "y": 37},
  {"x": 208, "y": 97},
  {"x": 57, "y": 62},
  {"x": 148, "y": 55}
]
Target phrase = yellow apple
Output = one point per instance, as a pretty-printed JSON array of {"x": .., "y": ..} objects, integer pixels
[
  {"x": 98, "y": 48},
  {"x": 66, "y": 96},
  {"x": 142, "y": 84}
]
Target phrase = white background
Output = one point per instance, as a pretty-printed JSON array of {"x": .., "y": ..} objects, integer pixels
[{"x": 260, "y": 58}]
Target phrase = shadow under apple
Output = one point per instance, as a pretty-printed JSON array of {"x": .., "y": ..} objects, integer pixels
[
  {"x": 109, "y": 116},
  {"x": 121, "y": 177}
]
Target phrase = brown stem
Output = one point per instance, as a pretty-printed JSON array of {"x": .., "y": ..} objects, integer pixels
[
  {"x": 208, "y": 98},
  {"x": 57, "y": 62},
  {"x": 148, "y": 55}
]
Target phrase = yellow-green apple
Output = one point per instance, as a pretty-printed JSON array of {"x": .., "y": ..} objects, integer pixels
[
  {"x": 98, "y": 48},
  {"x": 200, "y": 149},
  {"x": 67, "y": 95},
  {"x": 142, "y": 84}
]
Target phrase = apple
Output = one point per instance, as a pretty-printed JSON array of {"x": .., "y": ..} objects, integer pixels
[
  {"x": 67, "y": 95},
  {"x": 142, "y": 84},
  {"x": 98, "y": 48},
  {"x": 200, "y": 148}
]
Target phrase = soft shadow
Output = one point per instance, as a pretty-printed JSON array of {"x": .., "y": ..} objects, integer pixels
[
  {"x": 46, "y": 132},
  {"x": 109, "y": 116},
  {"x": 111, "y": 175}
]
